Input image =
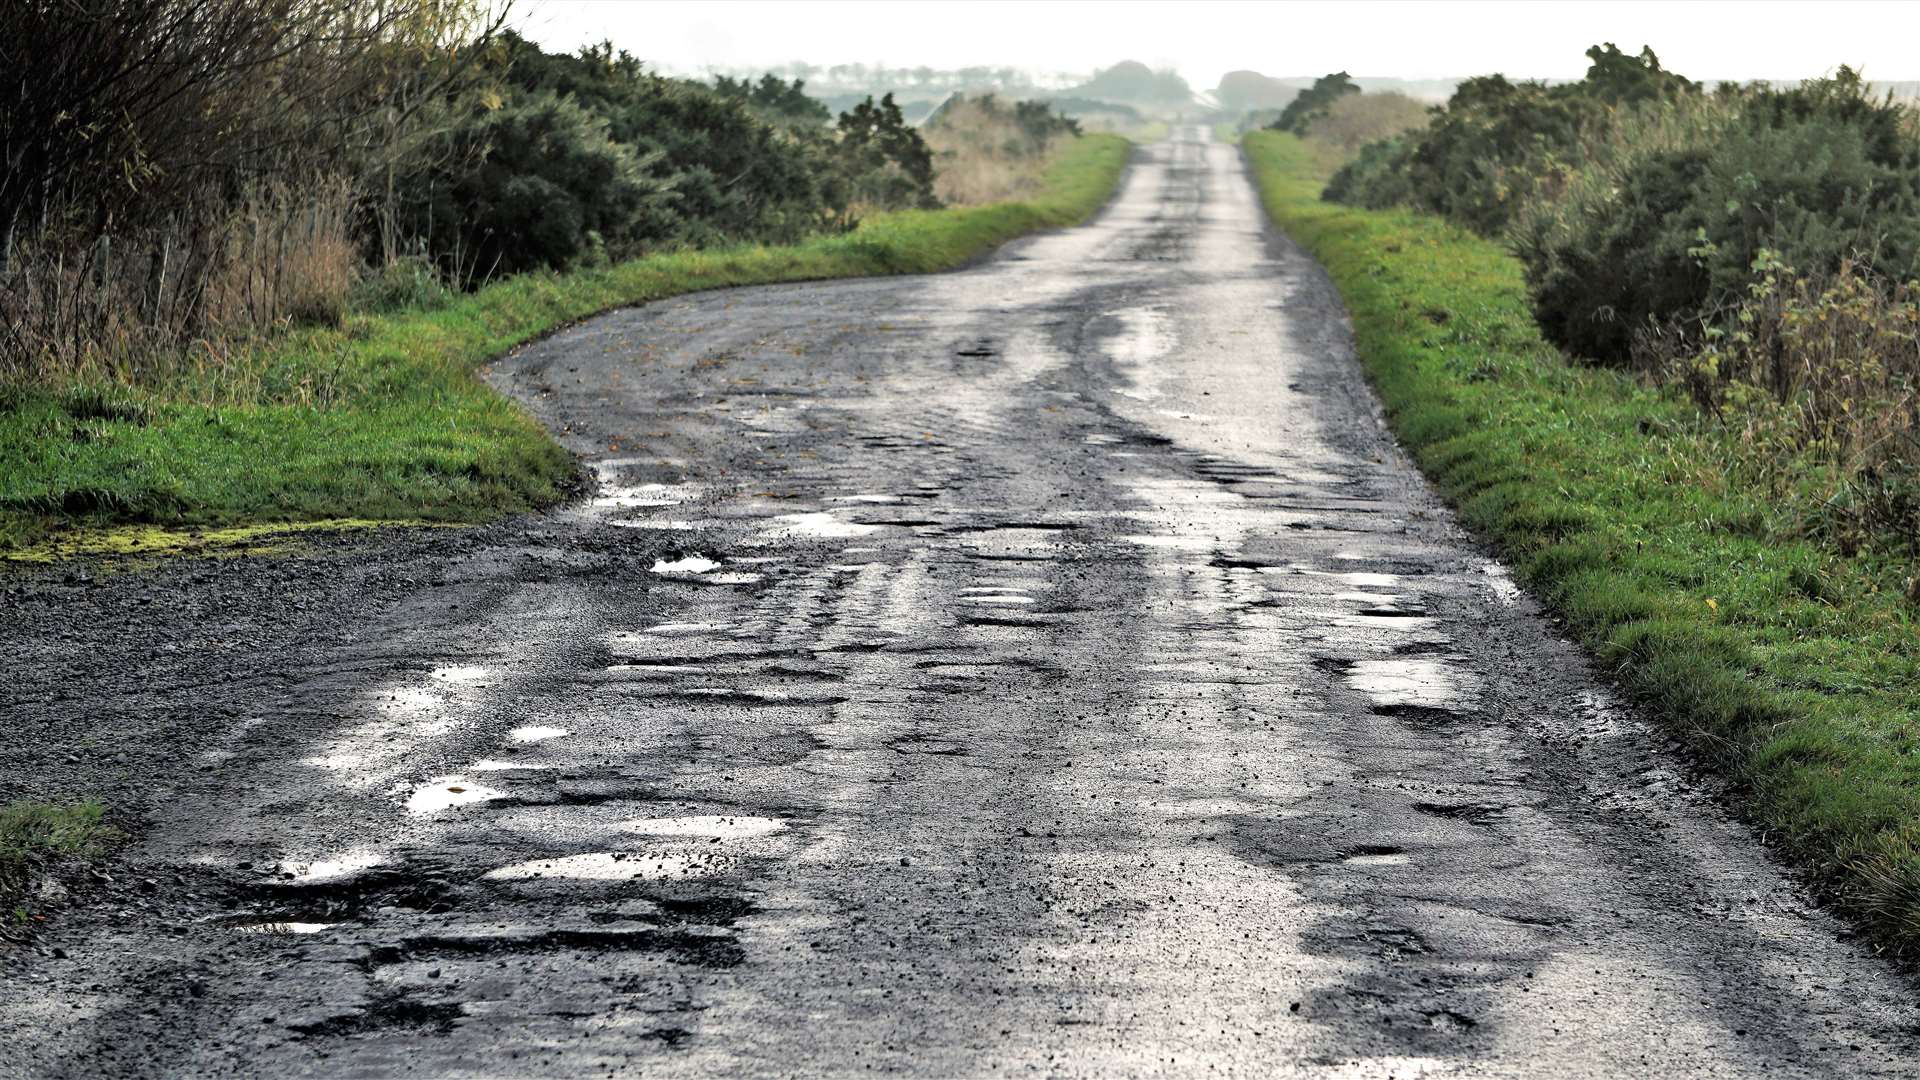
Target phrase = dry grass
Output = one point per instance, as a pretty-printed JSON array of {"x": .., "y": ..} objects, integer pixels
[
  {"x": 982, "y": 155},
  {"x": 1355, "y": 120},
  {"x": 133, "y": 306}
]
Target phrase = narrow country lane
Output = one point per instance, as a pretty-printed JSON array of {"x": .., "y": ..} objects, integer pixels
[{"x": 1051, "y": 667}]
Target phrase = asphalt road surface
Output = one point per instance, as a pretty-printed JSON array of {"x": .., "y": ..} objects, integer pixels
[{"x": 1047, "y": 668}]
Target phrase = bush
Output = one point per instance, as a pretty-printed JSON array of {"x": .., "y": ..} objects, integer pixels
[
  {"x": 1665, "y": 219},
  {"x": 880, "y": 161},
  {"x": 1484, "y": 153},
  {"x": 532, "y": 184}
]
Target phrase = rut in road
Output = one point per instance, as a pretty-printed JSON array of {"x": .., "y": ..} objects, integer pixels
[{"x": 1051, "y": 666}]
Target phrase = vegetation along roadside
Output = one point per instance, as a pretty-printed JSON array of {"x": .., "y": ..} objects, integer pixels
[
  {"x": 299, "y": 343},
  {"x": 1780, "y": 654}
]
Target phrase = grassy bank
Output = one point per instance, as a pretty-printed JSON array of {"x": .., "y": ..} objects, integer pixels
[
  {"x": 383, "y": 418},
  {"x": 1788, "y": 666}
]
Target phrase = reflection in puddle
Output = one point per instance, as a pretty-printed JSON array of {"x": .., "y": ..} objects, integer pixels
[
  {"x": 1144, "y": 337},
  {"x": 1358, "y": 579},
  {"x": 691, "y": 564},
  {"x": 328, "y": 869},
  {"x": 688, "y": 629},
  {"x": 705, "y": 826},
  {"x": 533, "y": 733},
  {"x": 642, "y": 495},
  {"x": 819, "y": 524},
  {"x": 611, "y": 866},
  {"x": 277, "y": 928},
  {"x": 1373, "y": 598},
  {"x": 443, "y": 792},
  {"x": 1420, "y": 682}
]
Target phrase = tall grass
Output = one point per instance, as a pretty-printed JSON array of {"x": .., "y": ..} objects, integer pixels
[{"x": 984, "y": 153}]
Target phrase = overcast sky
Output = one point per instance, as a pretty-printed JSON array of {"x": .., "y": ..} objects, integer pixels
[{"x": 1749, "y": 40}]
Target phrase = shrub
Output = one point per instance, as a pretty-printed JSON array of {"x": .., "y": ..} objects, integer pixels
[
  {"x": 880, "y": 161},
  {"x": 1665, "y": 215},
  {"x": 529, "y": 185},
  {"x": 1482, "y": 154}
]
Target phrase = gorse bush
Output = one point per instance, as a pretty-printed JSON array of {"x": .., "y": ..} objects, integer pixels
[
  {"x": 1665, "y": 217},
  {"x": 1481, "y": 156},
  {"x": 535, "y": 183}
]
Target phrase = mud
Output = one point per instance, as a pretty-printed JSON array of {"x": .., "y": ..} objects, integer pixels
[{"x": 1049, "y": 667}]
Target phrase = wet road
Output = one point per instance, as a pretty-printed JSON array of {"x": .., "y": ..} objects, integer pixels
[{"x": 1047, "y": 668}]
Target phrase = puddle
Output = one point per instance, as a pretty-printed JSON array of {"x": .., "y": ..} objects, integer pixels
[
  {"x": 706, "y": 827},
  {"x": 819, "y": 524},
  {"x": 280, "y": 928},
  {"x": 641, "y": 495},
  {"x": 998, "y": 598},
  {"x": 691, "y": 564},
  {"x": 1099, "y": 439},
  {"x": 688, "y": 629},
  {"x": 611, "y": 866},
  {"x": 490, "y": 765},
  {"x": 651, "y": 523},
  {"x": 736, "y": 579},
  {"x": 445, "y": 792},
  {"x": 658, "y": 669},
  {"x": 346, "y": 865},
  {"x": 1370, "y": 598},
  {"x": 533, "y": 733},
  {"x": 458, "y": 673},
  {"x": 1416, "y": 682},
  {"x": 880, "y": 500},
  {"x": 1356, "y": 578}
]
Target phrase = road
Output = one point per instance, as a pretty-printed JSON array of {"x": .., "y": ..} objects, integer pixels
[{"x": 1052, "y": 667}]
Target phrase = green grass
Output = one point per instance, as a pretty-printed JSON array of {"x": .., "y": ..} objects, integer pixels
[
  {"x": 383, "y": 419},
  {"x": 33, "y": 833},
  {"x": 1787, "y": 666}
]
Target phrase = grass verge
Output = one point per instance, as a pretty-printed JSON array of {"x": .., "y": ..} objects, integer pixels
[
  {"x": 1790, "y": 668},
  {"x": 32, "y": 834},
  {"x": 382, "y": 419}
]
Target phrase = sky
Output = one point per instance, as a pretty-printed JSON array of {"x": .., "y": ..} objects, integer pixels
[{"x": 1786, "y": 39}]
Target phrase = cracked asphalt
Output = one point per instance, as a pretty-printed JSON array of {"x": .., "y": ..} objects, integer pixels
[{"x": 1051, "y": 667}]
